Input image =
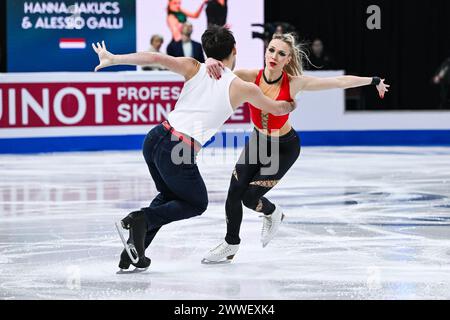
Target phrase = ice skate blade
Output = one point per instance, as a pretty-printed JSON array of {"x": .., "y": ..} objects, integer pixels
[
  {"x": 128, "y": 247},
  {"x": 136, "y": 270},
  {"x": 227, "y": 261}
]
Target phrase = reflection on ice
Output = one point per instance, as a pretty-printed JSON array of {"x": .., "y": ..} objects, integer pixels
[{"x": 361, "y": 223}]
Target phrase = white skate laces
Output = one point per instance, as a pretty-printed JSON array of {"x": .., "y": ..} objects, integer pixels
[
  {"x": 270, "y": 225},
  {"x": 223, "y": 253}
]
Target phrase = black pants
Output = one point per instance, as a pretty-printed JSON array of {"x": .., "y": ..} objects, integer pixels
[
  {"x": 182, "y": 192},
  {"x": 262, "y": 163}
]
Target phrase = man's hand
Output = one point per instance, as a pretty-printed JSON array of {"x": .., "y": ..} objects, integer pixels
[
  {"x": 284, "y": 107},
  {"x": 214, "y": 68},
  {"x": 382, "y": 88},
  {"x": 106, "y": 58},
  {"x": 291, "y": 106}
]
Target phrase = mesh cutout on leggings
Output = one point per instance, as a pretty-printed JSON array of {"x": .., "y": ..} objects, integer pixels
[
  {"x": 235, "y": 174},
  {"x": 265, "y": 183}
]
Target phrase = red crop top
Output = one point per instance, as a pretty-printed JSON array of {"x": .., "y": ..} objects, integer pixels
[{"x": 263, "y": 120}]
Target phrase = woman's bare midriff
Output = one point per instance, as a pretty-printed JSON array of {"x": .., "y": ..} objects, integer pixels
[{"x": 277, "y": 133}]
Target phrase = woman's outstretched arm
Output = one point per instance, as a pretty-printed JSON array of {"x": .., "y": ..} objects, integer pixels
[
  {"x": 197, "y": 13},
  {"x": 309, "y": 83}
]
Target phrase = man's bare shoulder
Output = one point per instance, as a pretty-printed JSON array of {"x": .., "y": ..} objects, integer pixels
[
  {"x": 193, "y": 67},
  {"x": 241, "y": 85},
  {"x": 241, "y": 91}
]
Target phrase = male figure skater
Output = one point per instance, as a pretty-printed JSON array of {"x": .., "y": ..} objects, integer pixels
[{"x": 204, "y": 105}]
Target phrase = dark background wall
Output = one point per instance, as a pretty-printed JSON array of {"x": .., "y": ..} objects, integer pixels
[{"x": 413, "y": 41}]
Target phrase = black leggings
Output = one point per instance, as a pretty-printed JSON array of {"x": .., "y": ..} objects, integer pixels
[{"x": 261, "y": 165}]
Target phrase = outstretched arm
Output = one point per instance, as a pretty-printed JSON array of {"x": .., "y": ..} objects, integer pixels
[
  {"x": 186, "y": 67},
  {"x": 309, "y": 83},
  {"x": 197, "y": 13}
]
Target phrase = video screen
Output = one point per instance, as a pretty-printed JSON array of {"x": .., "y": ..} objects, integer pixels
[
  {"x": 166, "y": 18},
  {"x": 46, "y": 36}
]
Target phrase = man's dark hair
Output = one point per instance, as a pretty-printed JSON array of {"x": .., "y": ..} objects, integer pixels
[{"x": 218, "y": 42}]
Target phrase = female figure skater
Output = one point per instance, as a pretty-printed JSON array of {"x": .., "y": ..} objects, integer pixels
[
  {"x": 281, "y": 79},
  {"x": 176, "y": 16}
]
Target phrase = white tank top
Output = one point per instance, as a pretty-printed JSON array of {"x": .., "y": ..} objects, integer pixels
[{"x": 204, "y": 105}]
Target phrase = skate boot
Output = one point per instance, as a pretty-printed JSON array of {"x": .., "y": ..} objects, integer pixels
[
  {"x": 221, "y": 254},
  {"x": 125, "y": 262},
  {"x": 271, "y": 223},
  {"x": 134, "y": 247},
  {"x": 126, "y": 222}
]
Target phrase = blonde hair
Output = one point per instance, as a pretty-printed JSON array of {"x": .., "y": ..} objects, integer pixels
[{"x": 298, "y": 53}]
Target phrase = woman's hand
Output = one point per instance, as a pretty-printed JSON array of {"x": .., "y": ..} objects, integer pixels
[
  {"x": 214, "y": 68},
  {"x": 105, "y": 57},
  {"x": 382, "y": 88}
]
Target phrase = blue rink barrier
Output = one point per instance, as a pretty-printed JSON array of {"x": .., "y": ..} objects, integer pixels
[{"x": 228, "y": 140}]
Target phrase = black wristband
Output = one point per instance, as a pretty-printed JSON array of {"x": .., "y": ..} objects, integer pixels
[{"x": 376, "y": 81}]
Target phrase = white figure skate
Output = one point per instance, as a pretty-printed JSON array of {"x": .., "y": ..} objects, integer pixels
[
  {"x": 271, "y": 223},
  {"x": 221, "y": 254}
]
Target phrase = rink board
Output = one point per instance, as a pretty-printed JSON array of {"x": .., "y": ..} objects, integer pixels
[{"x": 52, "y": 112}]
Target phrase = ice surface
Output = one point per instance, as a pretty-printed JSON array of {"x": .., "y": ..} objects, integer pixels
[{"x": 361, "y": 223}]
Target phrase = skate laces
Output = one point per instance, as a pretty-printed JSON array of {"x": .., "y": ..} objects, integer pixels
[
  {"x": 221, "y": 249},
  {"x": 267, "y": 224}
]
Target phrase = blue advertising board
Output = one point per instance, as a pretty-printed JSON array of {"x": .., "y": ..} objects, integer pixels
[{"x": 57, "y": 35}]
